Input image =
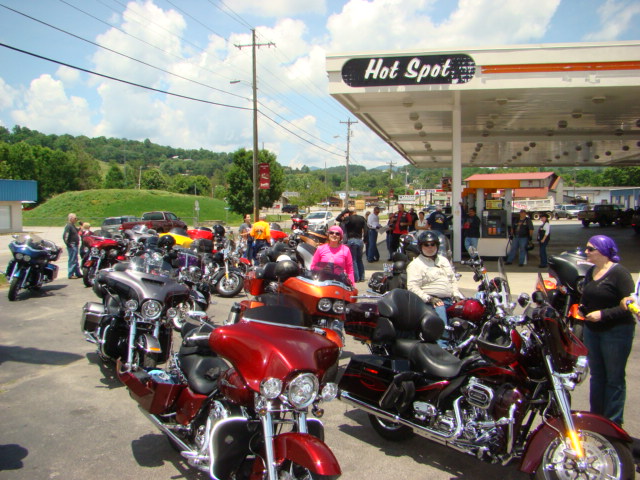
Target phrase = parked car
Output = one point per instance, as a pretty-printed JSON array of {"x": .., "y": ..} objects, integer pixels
[
  {"x": 290, "y": 209},
  {"x": 159, "y": 221},
  {"x": 605, "y": 214},
  {"x": 112, "y": 224},
  {"x": 568, "y": 211},
  {"x": 635, "y": 220},
  {"x": 322, "y": 219}
]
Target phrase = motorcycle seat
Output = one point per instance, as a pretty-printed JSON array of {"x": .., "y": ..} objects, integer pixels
[
  {"x": 202, "y": 371},
  {"x": 433, "y": 361}
]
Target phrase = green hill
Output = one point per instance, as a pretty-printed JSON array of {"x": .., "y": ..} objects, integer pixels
[{"x": 95, "y": 205}]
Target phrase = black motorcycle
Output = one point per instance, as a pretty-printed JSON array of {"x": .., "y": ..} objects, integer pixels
[{"x": 140, "y": 302}]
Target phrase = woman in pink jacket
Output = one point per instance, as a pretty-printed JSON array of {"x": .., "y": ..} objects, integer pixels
[{"x": 334, "y": 252}]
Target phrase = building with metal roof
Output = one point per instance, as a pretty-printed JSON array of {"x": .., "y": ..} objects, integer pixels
[{"x": 12, "y": 195}]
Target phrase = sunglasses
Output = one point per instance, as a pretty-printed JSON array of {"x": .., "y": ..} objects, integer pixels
[
  {"x": 334, "y": 233},
  {"x": 590, "y": 249},
  {"x": 429, "y": 244}
]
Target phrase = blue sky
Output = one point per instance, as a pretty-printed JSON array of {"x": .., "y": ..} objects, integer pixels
[{"x": 188, "y": 47}]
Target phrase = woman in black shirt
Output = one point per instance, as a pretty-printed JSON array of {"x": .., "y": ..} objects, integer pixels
[{"x": 609, "y": 327}]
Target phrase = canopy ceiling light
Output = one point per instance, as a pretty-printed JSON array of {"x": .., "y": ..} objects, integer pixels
[
  {"x": 413, "y": 116},
  {"x": 576, "y": 114},
  {"x": 502, "y": 101},
  {"x": 422, "y": 133},
  {"x": 598, "y": 99},
  {"x": 417, "y": 126},
  {"x": 562, "y": 124}
]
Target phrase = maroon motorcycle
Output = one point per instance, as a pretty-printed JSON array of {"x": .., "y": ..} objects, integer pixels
[
  {"x": 510, "y": 402},
  {"x": 100, "y": 252},
  {"x": 234, "y": 401}
]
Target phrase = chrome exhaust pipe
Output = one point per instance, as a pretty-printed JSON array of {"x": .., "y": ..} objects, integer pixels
[
  {"x": 169, "y": 433},
  {"x": 428, "y": 433}
]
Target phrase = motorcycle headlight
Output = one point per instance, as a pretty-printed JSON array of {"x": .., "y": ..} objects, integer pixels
[
  {"x": 103, "y": 253},
  {"x": 27, "y": 258},
  {"x": 338, "y": 307},
  {"x": 131, "y": 305},
  {"x": 271, "y": 387},
  {"x": 329, "y": 392},
  {"x": 325, "y": 304},
  {"x": 95, "y": 251},
  {"x": 303, "y": 390},
  {"x": 19, "y": 256},
  {"x": 151, "y": 309}
]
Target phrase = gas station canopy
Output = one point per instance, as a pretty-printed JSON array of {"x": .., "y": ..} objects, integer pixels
[{"x": 535, "y": 105}]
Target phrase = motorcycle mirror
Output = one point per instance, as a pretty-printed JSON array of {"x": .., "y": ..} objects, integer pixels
[
  {"x": 538, "y": 297},
  {"x": 524, "y": 299}
]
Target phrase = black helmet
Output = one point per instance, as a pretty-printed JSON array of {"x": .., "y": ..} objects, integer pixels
[
  {"x": 219, "y": 230},
  {"x": 166, "y": 241},
  {"x": 428, "y": 236}
]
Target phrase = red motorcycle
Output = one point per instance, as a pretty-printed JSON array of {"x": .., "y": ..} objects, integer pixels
[
  {"x": 298, "y": 223},
  {"x": 98, "y": 253},
  {"x": 234, "y": 401},
  {"x": 512, "y": 402}
]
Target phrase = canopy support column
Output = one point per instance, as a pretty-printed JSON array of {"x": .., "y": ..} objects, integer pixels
[{"x": 456, "y": 183}]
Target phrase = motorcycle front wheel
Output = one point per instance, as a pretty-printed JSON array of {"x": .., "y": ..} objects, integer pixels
[
  {"x": 14, "y": 288},
  {"x": 390, "y": 430},
  {"x": 605, "y": 458},
  {"x": 229, "y": 285},
  {"x": 88, "y": 275},
  {"x": 292, "y": 471}
]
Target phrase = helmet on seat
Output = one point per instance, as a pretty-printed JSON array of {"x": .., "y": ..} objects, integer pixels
[
  {"x": 166, "y": 241},
  {"x": 219, "y": 230}
]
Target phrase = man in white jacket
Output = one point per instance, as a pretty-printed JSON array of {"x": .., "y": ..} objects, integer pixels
[{"x": 431, "y": 276}]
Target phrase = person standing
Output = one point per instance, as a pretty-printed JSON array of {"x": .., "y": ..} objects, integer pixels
[
  {"x": 71, "y": 238},
  {"x": 520, "y": 236},
  {"x": 421, "y": 223},
  {"x": 609, "y": 328},
  {"x": 373, "y": 223},
  {"x": 261, "y": 235},
  {"x": 335, "y": 253},
  {"x": 438, "y": 220},
  {"x": 355, "y": 227},
  {"x": 243, "y": 231},
  {"x": 544, "y": 235},
  {"x": 399, "y": 224},
  {"x": 470, "y": 229}
]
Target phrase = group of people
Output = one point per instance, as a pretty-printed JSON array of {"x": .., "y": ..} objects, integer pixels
[
  {"x": 256, "y": 236},
  {"x": 72, "y": 235}
]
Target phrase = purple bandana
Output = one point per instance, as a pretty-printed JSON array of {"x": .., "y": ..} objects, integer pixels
[{"x": 606, "y": 246}]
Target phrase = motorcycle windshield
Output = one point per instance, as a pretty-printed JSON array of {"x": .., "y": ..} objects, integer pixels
[
  {"x": 140, "y": 228},
  {"x": 151, "y": 263},
  {"x": 329, "y": 272},
  {"x": 501, "y": 283},
  {"x": 30, "y": 239},
  {"x": 260, "y": 350}
]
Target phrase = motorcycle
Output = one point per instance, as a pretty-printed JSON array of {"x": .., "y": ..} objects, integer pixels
[
  {"x": 248, "y": 418},
  {"x": 322, "y": 293},
  {"x": 223, "y": 278},
  {"x": 567, "y": 272},
  {"x": 140, "y": 302},
  {"x": 486, "y": 405},
  {"x": 298, "y": 223},
  {"x": 100, "y": 252},
  {"x": 31, "y": 266}
]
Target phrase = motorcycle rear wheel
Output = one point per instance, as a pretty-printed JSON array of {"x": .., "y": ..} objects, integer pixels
[
  {"x": 231, "y": 286},
  {"x": 607, "y": 458},
  {"x": 88, "y": 275},
  {"x": 390, "y": 430},
  {"x": 14, "y": 288}
]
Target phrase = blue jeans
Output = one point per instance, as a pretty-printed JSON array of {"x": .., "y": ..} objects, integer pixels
[
  {"x": 256, "y": 247},
  {"x": 372, "y": 246},
  {"x": 73, "y": 267},
  {"x": 543, "y": 253},
  {"x": 442, "y": 313},
  {"x": 608, "y": 354},
  {"x": 356, "y": 247},
  {"x": 518, "y": 244},
  {"x": 470, "y": 242},
  {"x": 249, "y": 251}
]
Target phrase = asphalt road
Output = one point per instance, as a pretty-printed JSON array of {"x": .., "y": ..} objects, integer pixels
[{"x": 63, "y": 414}]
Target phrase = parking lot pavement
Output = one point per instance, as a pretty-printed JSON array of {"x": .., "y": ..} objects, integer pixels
[{"x": 64, "y": 415}]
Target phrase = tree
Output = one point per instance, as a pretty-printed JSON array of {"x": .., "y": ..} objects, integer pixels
[
  {"x": 240, "y": 181},
  {"x": 114, "y": 177},
  {"x": 153, "y": 180}
]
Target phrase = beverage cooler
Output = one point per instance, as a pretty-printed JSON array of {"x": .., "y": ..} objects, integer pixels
[{"x": 495, "y": 229}]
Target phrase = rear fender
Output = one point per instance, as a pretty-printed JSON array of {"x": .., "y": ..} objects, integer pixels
[
  {"x": 545, "y": 434},
  {"x": 307, "y": 451}
]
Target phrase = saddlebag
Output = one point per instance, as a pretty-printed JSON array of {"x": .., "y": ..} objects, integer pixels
[
  {"x": 368, "y": 377},
  {"x": 155, "y": 390},
  {"x": 361, "y": 320},
  {"x": 92, "y": 314}
]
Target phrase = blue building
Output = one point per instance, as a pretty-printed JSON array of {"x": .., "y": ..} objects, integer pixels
[{"x": 12, "y": 195}]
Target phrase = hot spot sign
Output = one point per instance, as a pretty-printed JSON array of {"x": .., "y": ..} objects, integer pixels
[{"x": 416, "y": 70}]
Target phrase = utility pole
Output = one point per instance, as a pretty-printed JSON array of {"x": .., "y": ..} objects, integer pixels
[
  {"x": 253, "y": 46},
  {"x": 348, "y": 123}
]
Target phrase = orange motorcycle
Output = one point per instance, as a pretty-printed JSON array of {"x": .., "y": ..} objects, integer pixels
[{"x": 323, "y": 294}]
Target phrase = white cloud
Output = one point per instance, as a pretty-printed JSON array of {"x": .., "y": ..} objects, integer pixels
[
  {"x": 8, "y": 94},
  {"x": 47, "y": 108},
  {"x": 616, "y": 17},
  {"x": 278, "y": 8},
  {"x": 68, "y": 75},
  {"x": 403, "y": 24}
]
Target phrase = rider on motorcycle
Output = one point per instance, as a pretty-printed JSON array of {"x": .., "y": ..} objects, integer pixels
[{"x": 431, "y": 276}]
